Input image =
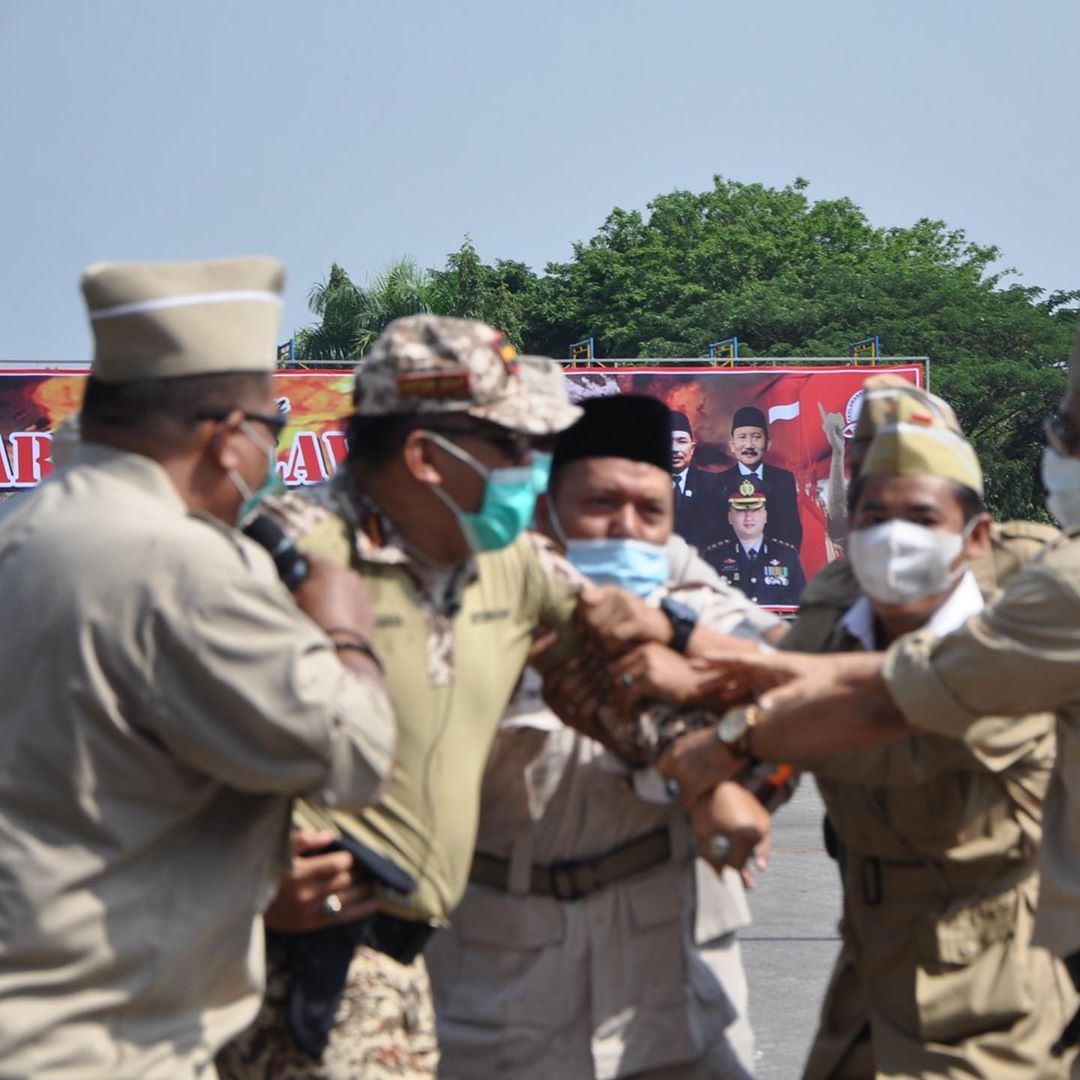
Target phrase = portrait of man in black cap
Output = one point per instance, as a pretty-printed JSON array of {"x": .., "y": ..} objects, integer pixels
[
  {"x": 748, "y": 445},
  {"x": 699, "y": 503},
  {"x": 763, "y": 567}
]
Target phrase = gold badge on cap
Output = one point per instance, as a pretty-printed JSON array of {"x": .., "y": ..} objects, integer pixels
[{"x": 507, "y": 353}]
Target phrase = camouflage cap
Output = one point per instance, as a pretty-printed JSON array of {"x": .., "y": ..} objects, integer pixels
[
  {"x": 906, "y": 449},
  {"x": 425, "y": 364},
  {"x": 748, "y": 497},
  {"x": 892, "y": 399}
]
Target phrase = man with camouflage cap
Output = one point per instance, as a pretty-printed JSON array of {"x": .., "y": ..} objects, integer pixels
[
  {"x": 165, "y": 699},
  {"x": 440, "y": 481}
]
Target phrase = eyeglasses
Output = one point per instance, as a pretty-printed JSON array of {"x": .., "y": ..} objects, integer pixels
[
  {"x": 275, "y": 423},
  {"x": 1062, "y": 434},
  {"x": 515, "y": 445}
]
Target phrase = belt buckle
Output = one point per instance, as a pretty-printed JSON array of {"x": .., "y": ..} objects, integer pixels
[{"x": 573, "y": 880}]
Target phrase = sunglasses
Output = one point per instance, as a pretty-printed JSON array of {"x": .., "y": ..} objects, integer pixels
[
  {"x": 1062, "y": 435},
  {"x": 515, "y": 445},
  {"x": 275, "y": 423}
]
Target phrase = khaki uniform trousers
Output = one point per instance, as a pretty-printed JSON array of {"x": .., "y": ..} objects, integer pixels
[{"x": 916, "y": 994}]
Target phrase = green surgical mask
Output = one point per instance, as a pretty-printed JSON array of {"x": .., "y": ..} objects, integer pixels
[
  {"x": 272, "y": 485},
  {"x": 509, "y": 499}
]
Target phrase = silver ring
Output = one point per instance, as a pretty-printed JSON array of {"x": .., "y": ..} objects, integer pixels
[
  {"x": 718, "y": 849},
  {"x": 672, "y": 788},
  {"x": 332, "y": 904},
  {"x": 626, "y": 679}
]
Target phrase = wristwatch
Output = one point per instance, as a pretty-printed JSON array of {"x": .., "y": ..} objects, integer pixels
[
  {"x": 683, "y": 619},
  {"x": 736, "y": 729}
]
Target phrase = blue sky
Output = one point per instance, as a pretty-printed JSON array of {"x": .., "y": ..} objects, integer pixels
[{"x": 361, "y": 131}]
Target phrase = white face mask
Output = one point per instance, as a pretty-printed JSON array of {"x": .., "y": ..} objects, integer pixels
[
  {"x": 1061, "y": 475},
  {"x": 899, "y": 562}
]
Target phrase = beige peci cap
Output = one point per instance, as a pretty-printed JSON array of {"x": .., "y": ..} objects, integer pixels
[
  {"x": 892, "y": 399},
  {"x": 906, "y": 449},
  {"x": 424, "y": 364},
  {"x": 166, "y": 320}
]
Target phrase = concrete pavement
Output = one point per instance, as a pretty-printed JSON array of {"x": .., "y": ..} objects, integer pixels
[{"x": 789, "y": 950}]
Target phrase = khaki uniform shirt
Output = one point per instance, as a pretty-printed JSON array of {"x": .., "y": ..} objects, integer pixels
[
  {"x": 453, "y": 642},
  {"x": 940, "y": 837},
  {"x": 606, "y": 986},
  {"x": 1021, "y": 653},
  {"x": 164, "y": 699}
]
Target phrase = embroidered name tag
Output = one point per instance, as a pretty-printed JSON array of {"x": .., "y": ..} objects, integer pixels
[
  {"x": 490, "y": 616},
  {"x": 434, "y": 384}
]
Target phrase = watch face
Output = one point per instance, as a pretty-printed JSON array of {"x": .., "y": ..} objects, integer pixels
[{"x": 732, "y": 727}]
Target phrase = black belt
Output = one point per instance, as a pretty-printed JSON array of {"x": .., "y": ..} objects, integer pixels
[{"x": 575, "y": 879}]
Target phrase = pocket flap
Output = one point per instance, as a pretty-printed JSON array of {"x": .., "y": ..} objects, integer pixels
[
  {"x": 656, "y": 899},
  {"x": 489, "y": 917},
  {"x": 963, "y": 931}
]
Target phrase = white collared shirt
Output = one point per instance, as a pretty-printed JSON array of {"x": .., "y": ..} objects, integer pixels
[
  {"x": 679, "y": 480},
  {"x": 963, "y": 602},
  {"x": 751, "y": 472}
]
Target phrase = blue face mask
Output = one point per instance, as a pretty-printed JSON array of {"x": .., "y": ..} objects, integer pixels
[
  {"x": 509, "y": 499},
  {"x": 637, "y": 566}
]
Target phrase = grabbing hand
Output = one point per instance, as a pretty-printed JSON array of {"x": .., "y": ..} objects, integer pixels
[
  {"x": 737, "y": 678},
  {"x": 697, "y": 762},
  {"x": 614, "y": 619},
  {"x": 654, "y": 672},
  {"x": 730, "y": 812},
  {"x": 319, "y": 890}
]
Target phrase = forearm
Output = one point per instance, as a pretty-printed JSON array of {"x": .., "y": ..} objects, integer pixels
[
  {"x": 705, "y": 642},
  {"x": 851, "y": 711}
]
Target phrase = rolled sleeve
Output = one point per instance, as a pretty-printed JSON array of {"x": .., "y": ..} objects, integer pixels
[
  {"x": 1020, "y": 655},
  {"x": 918, "y": 690}
]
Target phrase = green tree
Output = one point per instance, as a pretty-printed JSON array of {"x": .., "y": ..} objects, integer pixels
[
  {"x": 471, "y": 289},
  {"x": 351, "y": 316},
  {"x": 792, "y": 277}
]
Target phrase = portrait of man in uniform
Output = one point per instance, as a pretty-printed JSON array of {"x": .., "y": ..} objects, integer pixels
[
  {"x": 748, "y": 445},
  {"x": 765, "y": 568},
  {"x": 698, "y": 502}
]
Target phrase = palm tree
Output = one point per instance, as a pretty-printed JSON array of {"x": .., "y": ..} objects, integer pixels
[{"x": 352, "y": 316}]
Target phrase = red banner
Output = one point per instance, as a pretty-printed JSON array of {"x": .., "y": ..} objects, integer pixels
[{"x": 791, "y": 401}]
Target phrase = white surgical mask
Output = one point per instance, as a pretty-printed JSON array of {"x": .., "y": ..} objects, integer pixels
[
  {"x": 1061, "y": 475},
  {"x": 899, "y": 562}
]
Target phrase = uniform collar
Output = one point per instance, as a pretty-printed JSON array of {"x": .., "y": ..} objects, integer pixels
[
  {"x": 963, "y": 602},
  {"x": 138, "y": 470},
  {"x": 752, "y": 472},
  {"x": 376, "y": 540}
]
